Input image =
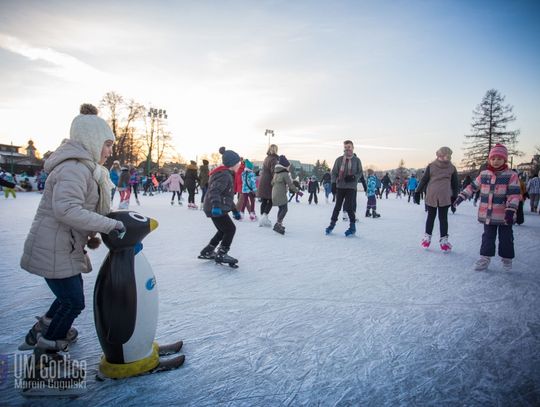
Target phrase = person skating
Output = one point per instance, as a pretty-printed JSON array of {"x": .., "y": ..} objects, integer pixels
[
  {"x": 533, "y": 189},
  {"x": 499, "y": 200},
  {"x": 386, "y": 185},
  {"x": 249, "y": 190},
  {"x": 346, "y": 173},
  {"x": 264, "y": 191},
  {"x": 76, "y": 198},
  {"x": 371, "y": 208},
  {"x": 440, "y": 182},
  {"x": 411, "y": 186},
  {"x": 327, "y": 184},
  {"x": 203, "y": 180},
  {"x": 190, "y": 182},
  {"x": 114, "y": 174},
  {"x": 218, "y": 203},
  {"x": 174, "y": 184},
  {"x": 280, "y": 184},
  {"x": 313, "y": 189},
  {"x": 134, "y": 180}
]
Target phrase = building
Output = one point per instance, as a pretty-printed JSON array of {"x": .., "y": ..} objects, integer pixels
[{"x": 13, "y": 161}]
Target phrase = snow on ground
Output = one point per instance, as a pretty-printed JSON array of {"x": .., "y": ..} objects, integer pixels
[{"x": 311, "y": 319}]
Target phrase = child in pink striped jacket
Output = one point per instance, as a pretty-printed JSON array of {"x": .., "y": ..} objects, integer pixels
[{"x": 499, "y": 200}]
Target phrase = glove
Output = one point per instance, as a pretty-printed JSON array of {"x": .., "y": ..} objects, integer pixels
[
  {"x": 457, "y": 201},
  {"x": 334, "y": 188},
  {"x": 509, "y": 216},
  {"x": 236, "y": 215},
  {"x": 416, "y": 198},
  {"x": 349, "y": 178},
  {"x": 118, "y": 232},
  {"x": 216, "y": 211}
]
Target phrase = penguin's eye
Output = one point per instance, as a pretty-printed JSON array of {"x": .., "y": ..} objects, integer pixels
[{"x": 138, "y": 217}]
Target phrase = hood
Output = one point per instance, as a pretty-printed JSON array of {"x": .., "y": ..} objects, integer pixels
[
  {"x": 68, "y": 150},
  {"x": 192, "y": 167},
  {"x": 442, "y": 164},
  {"x": 280, "y": 168}
]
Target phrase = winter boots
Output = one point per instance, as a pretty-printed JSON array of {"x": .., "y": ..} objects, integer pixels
[
  {"x": 426, "y": 241},
  {"x": 351, "y": 231},
  {"x": 445, "y": 244},
  {"x": 264, "y": 221},
  {"x": 223, "y": 257},
  {"x": 208, "y": 252},
  {"x": 279, "y": 228},
  {"x": 482, "y": 263},
  {"x": 39, "y": 328}
]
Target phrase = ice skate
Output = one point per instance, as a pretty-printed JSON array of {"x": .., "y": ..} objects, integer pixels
[
  {"x": 368, "y": 213},
  {"x": 506, "y": 263},
  {"x": 351, "y": 231},
  {"x": 482, "y": 263},
  {"x": 278, "y": 227},
  {"x": 223, "y": 258},
  {"x": 208, "y": 253},
  {"x": 426, "y": 241},
  {"x": 138, "y": 202},
  {"x": 264, "y": 221},
  {"x": 172, "y": 203},
  {"x": 252, "y": 217},
  {"x": 39, "y": 328},
  {"x": 330, "y": 228},
  {"x": 375, "y": 214},
  {"x": 445, "y": 244}
]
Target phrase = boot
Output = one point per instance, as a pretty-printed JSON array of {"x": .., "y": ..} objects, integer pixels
[
  {"x": 482, "y": 263},
  {"x": 223, "y": 257},
  {"x": 278, "y": 227},
  {"x": 507, "y": 264},
  {"x": 208, "y": 252},
  {"x": 172, "y": 203},
  {"x": 351, "y": 231},
  {"x": 39, "y": 328},
  {"x": 445, "y": 244},
  {"x": 368, "y": 213},
  {"x": 330, "y": 227},
  {"x": 426, "y": 241},
  {"x": 375, "y": 214}
]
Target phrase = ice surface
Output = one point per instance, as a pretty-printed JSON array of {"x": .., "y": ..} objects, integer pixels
[{"x": 310, "y": 319}]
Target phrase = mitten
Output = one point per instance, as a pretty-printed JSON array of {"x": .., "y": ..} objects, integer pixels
[
  {"x": 93, "y": 242},
  {"x": 509, "y": 216},
  {"x": 236, "y": 215},
  {"x": 216, "y": 211},
  {"x": 457, "y": 201}
]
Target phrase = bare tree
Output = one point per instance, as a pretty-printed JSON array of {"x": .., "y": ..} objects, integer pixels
[
  {"x": 490, "y": 119},
  {"x": 401, "y": 171}
]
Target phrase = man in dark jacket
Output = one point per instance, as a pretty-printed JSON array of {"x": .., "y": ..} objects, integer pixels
[
  {"x": 346, "y": 173},
  {"x": 313, "y": 189}
]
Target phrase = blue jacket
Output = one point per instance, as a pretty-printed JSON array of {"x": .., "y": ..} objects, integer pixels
[
  {"x": 115, "y": 176},
  {"x": 249, "y": 181},
  {"x": 371, "y": 185},
  {"x": 413, "y": 183}
]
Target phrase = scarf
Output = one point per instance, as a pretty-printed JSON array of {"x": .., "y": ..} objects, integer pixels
[
  {"x": 494, "y": 170},
  {"x": 103, "y": 179},
  {"x": 344, "y": 166}
]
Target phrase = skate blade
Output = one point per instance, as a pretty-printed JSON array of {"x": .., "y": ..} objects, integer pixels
[{"x": 170, "y": 349}]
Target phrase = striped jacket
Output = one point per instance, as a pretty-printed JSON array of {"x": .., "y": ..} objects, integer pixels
[
  {"x": 499, "y": 191},
  {"x": 533, "y": 186}
]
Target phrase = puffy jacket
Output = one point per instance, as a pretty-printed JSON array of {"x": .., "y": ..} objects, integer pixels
[
  {"x": 249, "y": 181},
  {"x": 371, "y": 185},
  {"x": 191, "y": 179},
  {"x": 413, "y": 183},
  {"x": 355, "y": 166},
  {"x": 498, "y": 191},
  {"x": 173, "y": 182},
  {"x": 115, "y": 175},
  {"x": 203, "y": 175},
  {"x": 440, "y": 181},
  {"x": 220, "y": 192},
  {"x": 281, "y": 183},
  {"x": 54, "y": 247}
]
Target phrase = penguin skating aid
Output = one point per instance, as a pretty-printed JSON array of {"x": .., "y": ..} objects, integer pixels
[{"x": 126, "y": 305}]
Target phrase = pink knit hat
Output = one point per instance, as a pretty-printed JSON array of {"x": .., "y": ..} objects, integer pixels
[{"x": 499, "y": 151}]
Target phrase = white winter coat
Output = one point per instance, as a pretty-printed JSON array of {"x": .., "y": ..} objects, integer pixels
[{"x": 54, "y": 247}]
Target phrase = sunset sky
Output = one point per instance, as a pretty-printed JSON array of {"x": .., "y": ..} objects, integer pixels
[{"x": 399, "y": 78}]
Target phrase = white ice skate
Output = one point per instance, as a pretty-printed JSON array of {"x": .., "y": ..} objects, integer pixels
[
  {"x": 506, "y": 263},
  {"x": 482, "y": 263}
]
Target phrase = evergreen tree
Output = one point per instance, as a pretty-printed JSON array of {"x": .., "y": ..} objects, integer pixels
[{"x": 490, "y": 119}]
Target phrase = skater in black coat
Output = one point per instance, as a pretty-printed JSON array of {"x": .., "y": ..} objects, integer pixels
[
  {"x": 313, "y": 189},
  {"x": 218, "y": 202}
]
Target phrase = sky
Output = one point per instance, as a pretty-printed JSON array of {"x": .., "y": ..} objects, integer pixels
[{"x": 398, "y": 78}]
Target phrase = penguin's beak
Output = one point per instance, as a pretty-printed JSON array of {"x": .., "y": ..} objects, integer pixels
[{"x": 153, "y": 224}]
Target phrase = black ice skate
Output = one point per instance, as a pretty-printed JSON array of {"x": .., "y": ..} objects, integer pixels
[
  {"x": 278, "y": 227},
  {"x": 207, "y": 253},
  {"x": 376, "y": 215},
  {"x": 223, "y": 258},
  {"x": 368, "y": 213}
]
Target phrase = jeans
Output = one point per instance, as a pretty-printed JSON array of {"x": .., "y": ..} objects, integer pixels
[
  {"x": 203, "y": 193},
  {"x": 66, "y": 307}
]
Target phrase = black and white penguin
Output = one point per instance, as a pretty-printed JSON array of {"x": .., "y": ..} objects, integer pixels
[{"x": 126, "y": 301}]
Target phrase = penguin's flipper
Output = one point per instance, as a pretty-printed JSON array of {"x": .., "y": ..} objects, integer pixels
[{"x": 122, "y": 303}]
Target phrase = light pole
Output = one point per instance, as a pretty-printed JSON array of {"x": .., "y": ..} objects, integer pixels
[
  {"x": 154, "y": 114},
  {"x": 269, "y": 133}
]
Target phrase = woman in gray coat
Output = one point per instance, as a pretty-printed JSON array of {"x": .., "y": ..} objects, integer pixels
[
  {"x": 71, "y": 211},
  {"x": 264, "y": 190}
]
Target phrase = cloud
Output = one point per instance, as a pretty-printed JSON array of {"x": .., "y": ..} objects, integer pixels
[{"x": 61, "y": 65}]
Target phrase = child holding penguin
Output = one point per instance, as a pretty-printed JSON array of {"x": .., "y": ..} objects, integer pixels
[{"x": 219, "y": 201}]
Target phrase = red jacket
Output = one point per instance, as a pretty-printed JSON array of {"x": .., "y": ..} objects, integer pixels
[{"x": 238, "y": 178}]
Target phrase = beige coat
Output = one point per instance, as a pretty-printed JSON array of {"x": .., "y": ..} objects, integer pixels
[
  {"x": 281, "y": 183},
  {"x": 54, "y": 247},
  {"x": 440, "y": 182}
]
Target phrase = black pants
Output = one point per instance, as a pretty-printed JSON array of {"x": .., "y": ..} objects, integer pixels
[
  {"x": 443, "y": 219},
  {"x": 176, "y": 193},
  {"x": 266, "y": 206},
  {"x": 225, "y": 231},
  {"x": 191, "y": 194},
  {"x": 134, "y": 189},
  {"x": 520, "y": 218},
  {"x": 347, "y": 199},
  {"x": 506, "y": 241},
  {"x": 282, "y": 212},
  {"x": 313, "y": 195}
]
